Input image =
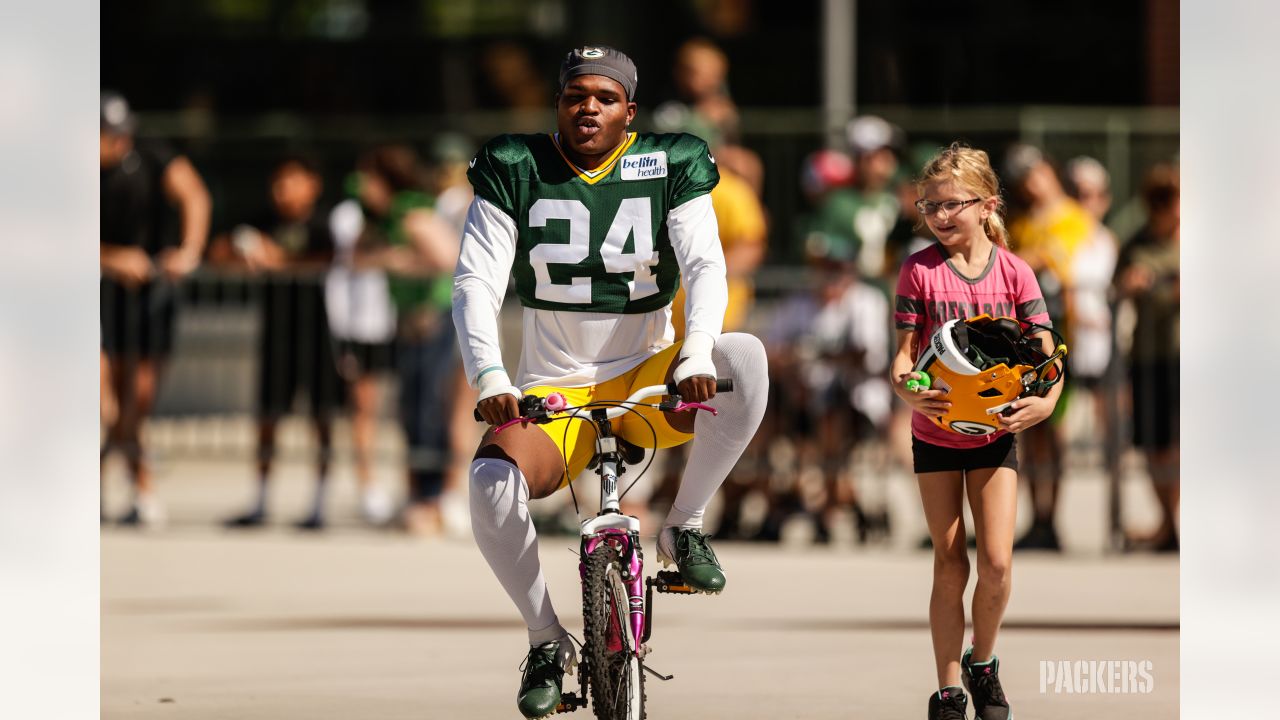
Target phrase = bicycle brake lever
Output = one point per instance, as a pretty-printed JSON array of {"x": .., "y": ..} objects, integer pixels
[
  {"x": 509, "y": 423},
  {"x": 683, "y": 406}
]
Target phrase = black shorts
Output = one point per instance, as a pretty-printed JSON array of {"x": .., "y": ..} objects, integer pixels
[
  {"x": 297, "y": 353},
  {"x": 929, "y": 458},
  {"x": 1155, "y": 404},
  {"x": 137, "y": 322},
  {"x": 357, "y": 359}
]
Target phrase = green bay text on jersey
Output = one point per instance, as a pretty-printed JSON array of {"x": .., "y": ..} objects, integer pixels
[{"x": 594, "y": 241}]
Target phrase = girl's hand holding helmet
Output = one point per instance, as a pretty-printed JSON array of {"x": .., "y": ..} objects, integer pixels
[
  {"x": 921, "y": 397},
  {"x": 1025, "y": 412},
  {"x": 995, "y": 372}
]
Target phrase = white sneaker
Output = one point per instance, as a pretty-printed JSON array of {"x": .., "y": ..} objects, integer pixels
[
  {"x": 146, "y": 512},
  {"x": 456, "y": 515},
  {"x": 376, "y": 506}
]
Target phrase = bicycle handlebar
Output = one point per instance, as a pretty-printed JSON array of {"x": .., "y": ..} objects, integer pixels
[{"x": 722, "y": 385}]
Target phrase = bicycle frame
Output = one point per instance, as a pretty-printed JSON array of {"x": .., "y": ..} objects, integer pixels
[
  {"x": 610, "y": 525},
  {"x": 621, "y": 532}
]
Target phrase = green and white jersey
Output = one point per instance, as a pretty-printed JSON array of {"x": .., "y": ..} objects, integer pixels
[
  {"x": 596, "y": 255},
  {"x": 594, "y": 241}
]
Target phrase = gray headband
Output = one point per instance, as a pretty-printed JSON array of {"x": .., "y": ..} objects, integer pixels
[{"x": 600, "y": 60}]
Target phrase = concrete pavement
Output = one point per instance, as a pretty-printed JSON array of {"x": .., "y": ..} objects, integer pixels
[{"x": 201, "y": 623}]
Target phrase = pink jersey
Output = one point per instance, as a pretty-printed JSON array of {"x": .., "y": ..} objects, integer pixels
[{"x": 931, "y": 291}]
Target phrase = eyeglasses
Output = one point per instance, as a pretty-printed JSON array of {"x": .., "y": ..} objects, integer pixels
[{"x": 951, "y": 207}]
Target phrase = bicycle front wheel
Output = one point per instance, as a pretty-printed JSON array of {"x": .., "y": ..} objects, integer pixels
[{"x": 616, "y": 677}]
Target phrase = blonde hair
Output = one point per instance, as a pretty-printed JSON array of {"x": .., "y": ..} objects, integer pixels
[{"x": 971, "y": 169}]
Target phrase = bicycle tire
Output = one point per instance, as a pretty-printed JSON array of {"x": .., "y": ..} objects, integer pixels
[{"x": 616, "y": 678}]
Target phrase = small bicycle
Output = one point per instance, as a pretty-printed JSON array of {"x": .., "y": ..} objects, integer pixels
[{"x": 617, "y": 600}]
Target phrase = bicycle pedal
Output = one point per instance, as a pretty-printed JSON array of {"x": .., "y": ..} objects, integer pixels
[
  {"x": 570, "y": 702},
  {"x": 670, "y": 581}
]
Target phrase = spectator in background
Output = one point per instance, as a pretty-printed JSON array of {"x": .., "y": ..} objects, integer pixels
[
  {"x": 743, "y": 230},
  {"x": 451, "y": 157},
  {"x": 704, "y": 108},
  {"x": 1092, "y": 270},
  {"x": 909, "y": 235},
  {"x": 862, "y": 216},
  {"x": 141, "y": 266},
  {"x": 1148, "y": 274},
  {"x": 362, "y": 321},
  {"x": 515, "y": 83},
  {"x": 1048, "y": 231},
  {"x": 744, "y": 234},
  {"x": 822, "y": 172},
  {"x": 417, "y": 248},
  {"x": 786, "y": 410},
  {"x": 514, "y": 77},
  {"x": 1092, "y": 266},
  {"x": 829, "y": 349},
  {"x": 289, "y": 246}
]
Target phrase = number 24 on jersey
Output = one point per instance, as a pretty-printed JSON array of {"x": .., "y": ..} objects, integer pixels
[{"x": 634, "y": 218}]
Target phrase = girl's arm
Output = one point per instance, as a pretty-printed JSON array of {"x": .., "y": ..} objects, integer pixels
[
  {"x": 928, "y": 402},
  {"x": 1030, "y": 411}
]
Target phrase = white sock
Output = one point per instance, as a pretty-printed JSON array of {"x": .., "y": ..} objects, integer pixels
[
  {"x": 505, "y": 535},
  {"x": 719, "y": 440},
  {"x": 317, "y": 501},
  {"x": 260, "y": 500}
]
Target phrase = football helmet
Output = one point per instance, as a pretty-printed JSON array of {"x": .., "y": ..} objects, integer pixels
[{"x": 984, "y": 364}]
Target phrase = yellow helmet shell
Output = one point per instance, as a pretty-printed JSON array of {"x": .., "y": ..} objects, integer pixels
[{"x": 976, "y": 394}]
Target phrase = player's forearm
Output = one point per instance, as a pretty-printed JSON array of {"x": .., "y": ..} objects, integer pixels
[
  {"x": 475, "y": 316},
  {"x": 694, "y": 236},
  {"x": 479, "y": 285}
]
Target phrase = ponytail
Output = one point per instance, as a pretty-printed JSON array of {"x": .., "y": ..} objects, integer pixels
[
  {"x": 970, "y": 168},
  {"x": 995, "y": 229}
]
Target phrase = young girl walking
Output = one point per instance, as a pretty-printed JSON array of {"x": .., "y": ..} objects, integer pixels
[{"x": 968, "y": 272}]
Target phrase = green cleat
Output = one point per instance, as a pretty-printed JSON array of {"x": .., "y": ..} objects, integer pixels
[
  {"x": 540, "y": 687},
  {"x": 690, "y": 552}
]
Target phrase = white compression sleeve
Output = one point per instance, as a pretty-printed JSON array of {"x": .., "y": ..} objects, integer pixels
[
  {"x": 695, "y": 237},
  {"x": 480, "y": 283},
  {"x": 505, "y": 535},
  {"x": 719, "y": 440}
]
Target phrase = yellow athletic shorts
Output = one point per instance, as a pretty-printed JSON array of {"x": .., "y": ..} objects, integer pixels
[{"x": 576, "y": 440}]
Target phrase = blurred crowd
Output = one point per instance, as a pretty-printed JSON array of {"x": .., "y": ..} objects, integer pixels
[{"x": 359, "y": 292}]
